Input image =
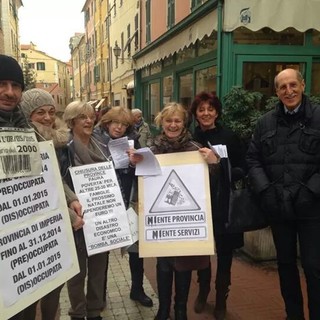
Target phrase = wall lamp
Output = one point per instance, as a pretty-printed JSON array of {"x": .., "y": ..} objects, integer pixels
[
  {"x": 116, "y": 50},
  {"x": 117, "y": 53}
]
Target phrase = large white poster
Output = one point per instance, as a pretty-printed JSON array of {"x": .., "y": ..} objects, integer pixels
[
  {"x": 106, "y": 223},
  {"x": 37, "y": 251},
  {"x": 176, "y": 209}
]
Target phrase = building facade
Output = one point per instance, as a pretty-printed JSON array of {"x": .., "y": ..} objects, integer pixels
[
  {"x": 124, "y": 43},
  {"x": 52, "y": 74},
  {"x": 212, "y": 45},
  {"x": 9, "y": 28}
]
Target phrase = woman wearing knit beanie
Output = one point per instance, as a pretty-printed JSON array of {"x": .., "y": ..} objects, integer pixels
[{"x": 38, "y": 107}]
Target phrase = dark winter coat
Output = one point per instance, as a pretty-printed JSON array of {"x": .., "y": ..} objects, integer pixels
[
  {"x": 219, "y": 181},
  {"x": 284, "y": 162},
  {"x": 13, "y": 119}
]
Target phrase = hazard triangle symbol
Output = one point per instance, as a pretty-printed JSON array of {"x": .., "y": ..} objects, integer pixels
[{"x": 174, "y": 196}]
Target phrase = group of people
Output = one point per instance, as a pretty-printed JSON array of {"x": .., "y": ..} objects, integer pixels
[{"x": 282, "y": 163}]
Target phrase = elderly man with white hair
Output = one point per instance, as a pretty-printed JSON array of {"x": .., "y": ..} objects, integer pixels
[{"x": 142, "y": 128}]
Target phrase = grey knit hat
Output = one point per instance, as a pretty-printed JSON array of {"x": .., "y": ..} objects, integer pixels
[{"x": 33, "y": 99}]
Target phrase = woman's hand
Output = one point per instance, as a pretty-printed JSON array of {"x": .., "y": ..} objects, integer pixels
[
  {"x": 209, "y": 156},
  {"x": 134, "y": 158},
  {"x": 76, "y": 207},
  {"x": 78, "y": 223}
]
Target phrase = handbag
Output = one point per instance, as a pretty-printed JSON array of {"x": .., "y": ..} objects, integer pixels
[{"x": 245, "y": 212}]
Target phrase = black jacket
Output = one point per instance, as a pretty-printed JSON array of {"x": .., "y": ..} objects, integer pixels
[
  {"x": 219, "y": 181},
  {"x": 284, "y": 162}
]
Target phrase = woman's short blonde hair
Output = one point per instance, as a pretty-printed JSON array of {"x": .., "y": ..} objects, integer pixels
[
  {"x": 120, "y": 114},
  {"x": 74, "y": 109},
  {"x": 170, "y": 109}
]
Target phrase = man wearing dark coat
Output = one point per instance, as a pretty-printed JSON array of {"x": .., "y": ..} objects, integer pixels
[{"x": 284, "y": 170}]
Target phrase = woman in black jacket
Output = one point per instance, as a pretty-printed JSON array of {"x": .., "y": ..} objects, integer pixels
[{"x": 206, "y": 109}]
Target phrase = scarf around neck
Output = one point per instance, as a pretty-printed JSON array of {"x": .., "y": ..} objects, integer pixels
[
  {"x": 87, "y": 154},
  {"x": 167, "y": 145}
]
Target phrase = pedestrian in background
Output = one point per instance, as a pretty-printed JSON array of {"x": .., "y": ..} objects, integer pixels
[
  {"x": 175, "y": 138},
  {"x": 38, "y": 106},
  {"x": 206, "y": 109},
  {"x": 284, "y": 171},
  {"x": 114, "y": 124},
  {"x": 87, "y": 300},
  {"x": 142, "y": 128}
]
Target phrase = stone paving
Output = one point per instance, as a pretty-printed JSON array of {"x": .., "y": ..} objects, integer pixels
[{"x": 119, "y": 304}]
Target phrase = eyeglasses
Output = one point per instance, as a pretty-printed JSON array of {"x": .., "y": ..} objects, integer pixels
[
  {"x": 119, "y": 123},
  {"x": 86, "y": 117}
]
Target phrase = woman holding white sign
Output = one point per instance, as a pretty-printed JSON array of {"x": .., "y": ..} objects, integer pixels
[
  {"x": 84, "y": 149},
  {"x": 115, "y": 124},
  {"x": 38, "y": 106},
  {"x": 176, "y": 138}
]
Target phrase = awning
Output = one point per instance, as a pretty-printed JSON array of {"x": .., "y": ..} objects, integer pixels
[
  {"x": 275, "y": 14},
  {"x": 197, "y": 31},
  {"x": 130, "y": 85},
  {"x": 99, "y": 104}
]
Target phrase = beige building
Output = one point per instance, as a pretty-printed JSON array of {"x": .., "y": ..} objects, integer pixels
[
  {"x": 90, "y": 56},
  {"x": 124, "y": 41},
  {"x": 52, "y": 74},
  {"x": 9, "y": 27}
]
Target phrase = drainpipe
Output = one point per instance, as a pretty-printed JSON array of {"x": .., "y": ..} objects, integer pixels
[{"x": 219, "y": 49}]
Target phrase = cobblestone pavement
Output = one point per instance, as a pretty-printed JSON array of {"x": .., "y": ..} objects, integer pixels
[{"x": 119, "y": 304}]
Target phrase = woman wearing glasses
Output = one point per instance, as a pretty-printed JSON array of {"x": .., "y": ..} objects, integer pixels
[
  {"x": 117, "y": 123},
  {"x": 84, "y": 149}
]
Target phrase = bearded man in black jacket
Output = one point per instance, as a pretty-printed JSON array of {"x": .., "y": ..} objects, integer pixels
[{"x": 284, "y": 170}]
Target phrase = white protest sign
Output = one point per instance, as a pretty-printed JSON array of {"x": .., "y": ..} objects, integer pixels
[
  {"x": 175, "y": 208},
  {"x": 106, "y": 223},
  {"x": 37, "y": 251},
  {"x": 19, "y": 153}
]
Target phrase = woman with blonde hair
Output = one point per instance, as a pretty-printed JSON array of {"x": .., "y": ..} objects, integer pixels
[
  {"x": 175, "y": 137},
  {"x": 84, "y": 149}
]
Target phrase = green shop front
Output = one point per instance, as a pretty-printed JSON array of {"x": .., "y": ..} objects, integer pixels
[
  {"x": 227, "y": 43},
  {"x": 231, "y": 43}
]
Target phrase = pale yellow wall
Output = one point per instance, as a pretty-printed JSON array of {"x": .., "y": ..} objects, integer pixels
[
  {"x": 122, "y": 74},
  {"x": 55, "y": 77}
]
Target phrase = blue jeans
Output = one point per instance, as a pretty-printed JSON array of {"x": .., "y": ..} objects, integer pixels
[{"x": 285, "y": 236}]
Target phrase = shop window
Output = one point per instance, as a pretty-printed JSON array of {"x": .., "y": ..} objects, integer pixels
[
  {"x": 207, "y": 44},
  {"x": 315, "y": 88},
  {"x": 154, "y": 100},
  {"x": 185, "y": 90},
  {"x": 155, "y": 68},
  {"x": 259, "y": 76},
  {"x": 186, "y": 54},
  {"x": 167, "y": 62},
  {"x": 289, "y": 36},
  {"x": 316, "y": 38},
  {"x": 206, "y": 80},
  {"x": 145, "y": 72},
  {"x": 167, "y": 89}
]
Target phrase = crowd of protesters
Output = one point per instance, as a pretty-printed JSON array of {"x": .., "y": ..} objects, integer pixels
[{"x": 282, "y": 164}]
